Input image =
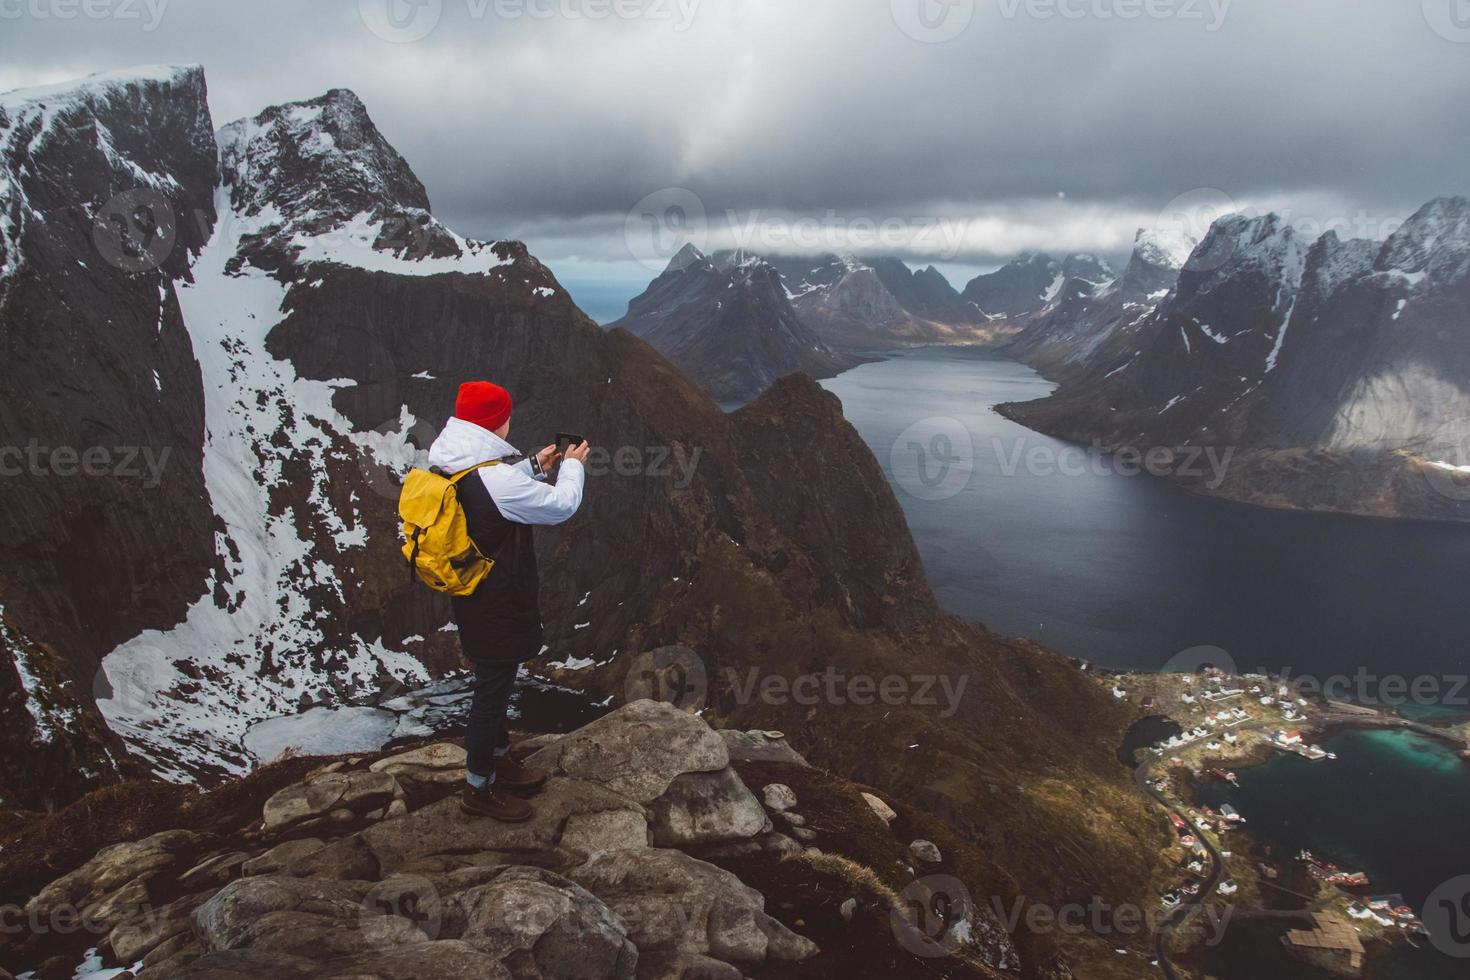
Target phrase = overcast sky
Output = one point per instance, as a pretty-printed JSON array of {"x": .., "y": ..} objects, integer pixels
[{"x": 958, "y": 131}]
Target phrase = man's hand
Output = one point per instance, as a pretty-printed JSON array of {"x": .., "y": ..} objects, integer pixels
[
  {"x": 547, "y": 458},
  {"x": 579, "y": 453}
]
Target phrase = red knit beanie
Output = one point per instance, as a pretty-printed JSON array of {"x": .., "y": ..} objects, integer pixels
[{"x": 485, "y": 404}]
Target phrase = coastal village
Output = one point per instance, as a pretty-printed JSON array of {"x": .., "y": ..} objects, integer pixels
[{"x": 1331, "y": 916}]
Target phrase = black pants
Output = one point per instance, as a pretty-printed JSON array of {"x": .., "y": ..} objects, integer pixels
[{"x": 486, "y": 726}]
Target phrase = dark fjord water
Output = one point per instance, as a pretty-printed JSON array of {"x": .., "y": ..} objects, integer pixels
[{"x": 1127, "y": 571}]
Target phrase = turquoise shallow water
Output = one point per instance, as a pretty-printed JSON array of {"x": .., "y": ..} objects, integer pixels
[{"x": 1393, "y": 804}]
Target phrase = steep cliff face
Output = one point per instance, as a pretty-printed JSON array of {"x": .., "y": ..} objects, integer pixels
[
  {"x": 1029, "y": 282},
  {"x": 1334, "y": 369},
  {"x": 104, "y": 525}
]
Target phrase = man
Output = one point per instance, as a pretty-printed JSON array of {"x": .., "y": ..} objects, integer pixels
[{"x": 500, "y": 623}]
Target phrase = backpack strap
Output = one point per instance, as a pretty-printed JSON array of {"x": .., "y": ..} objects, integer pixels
[{"x": 464, "y": 473}]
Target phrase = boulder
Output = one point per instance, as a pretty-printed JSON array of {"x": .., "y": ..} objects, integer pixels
[
  {"x": 350, "y": 793},
  {"x": 706, "y": 808},
  {"x": 756, "y": 747},
  {"x": 926, "y": 851},
  {"x": 147, "y": 929},
  {"x": 281, "y": 857},
  {"x": 779, "y": 797},
  {"x": 449, "y": 959},
  {"x": 214, "y": 871},
  {"x": 236, "y": 964},
  {"x": 637, "y": 750},
  {"x": 560, "y": 927},
  {"x": 113, "y": 884},
  {"x": 444, "y": 829},
  {"x": 883, "y": 810},
  {"x": 675, "y": 903},
  {"x": 443, "y": 762},
  {"x": 310, "y": 917},
  {"x": 662, "y": 965}
]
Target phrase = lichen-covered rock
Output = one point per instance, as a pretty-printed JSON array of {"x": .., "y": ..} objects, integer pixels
[
  {"x": 563, "y": 929},
  {"x": 779, "y": 797},
  {"x": 672, "y": 902},
  {"x": 883, "y": 810},
  {"x": 353, "y": 792},
  {"x": 926, "y": 851},
  {"x": 312, "y": 917},
  {"x": 637, "y": 750},
  {"x": 443, "y": 762},
  {"x": 757, "y": 747},
  {"x": 113, "y": 884},
  {"x": 706, "y": 808}
]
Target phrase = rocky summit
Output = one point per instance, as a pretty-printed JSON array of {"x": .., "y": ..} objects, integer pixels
[{"x": 649, "y": 856}]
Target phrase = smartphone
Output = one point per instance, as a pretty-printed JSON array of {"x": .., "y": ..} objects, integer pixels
[{"x": 564, "y": 440}]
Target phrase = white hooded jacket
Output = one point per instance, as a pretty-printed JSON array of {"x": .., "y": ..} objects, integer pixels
[{"x": 518, "y": 495}]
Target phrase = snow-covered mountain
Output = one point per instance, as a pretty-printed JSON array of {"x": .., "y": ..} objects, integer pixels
[
  {"x": 1030, "y": 281},
  {"x": 728, "y": 322},
  {"x": 1089, "y": 320},
  {"x": 841, "y": 305},
  {"x": 1340, "y": 370}
]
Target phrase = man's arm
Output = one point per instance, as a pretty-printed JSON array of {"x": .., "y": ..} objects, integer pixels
[{"x": 527, "y": 501}]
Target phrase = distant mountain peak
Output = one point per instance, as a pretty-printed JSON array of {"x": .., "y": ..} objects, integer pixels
[
  {"x": 1166, "y": 249},
  {"x": 688, "y": 255}
]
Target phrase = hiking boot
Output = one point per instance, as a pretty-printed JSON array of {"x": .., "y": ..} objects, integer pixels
[
  {"x": 486, "y": 802},
  {"x": 512, "y": 775}
]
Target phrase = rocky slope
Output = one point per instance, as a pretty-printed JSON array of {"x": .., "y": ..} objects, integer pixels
[
  {"x": 323, "y": 354},
  {"x": 728, "y": 323},
  {"x": 650, "y": 855},
  {"x": 1335, "y": 370}
]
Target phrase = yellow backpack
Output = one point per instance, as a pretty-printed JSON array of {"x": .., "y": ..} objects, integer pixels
[{"x": 436, "y": 535}]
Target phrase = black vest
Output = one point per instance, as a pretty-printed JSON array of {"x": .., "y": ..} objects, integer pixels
[{"x": 501, "y": 621}]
